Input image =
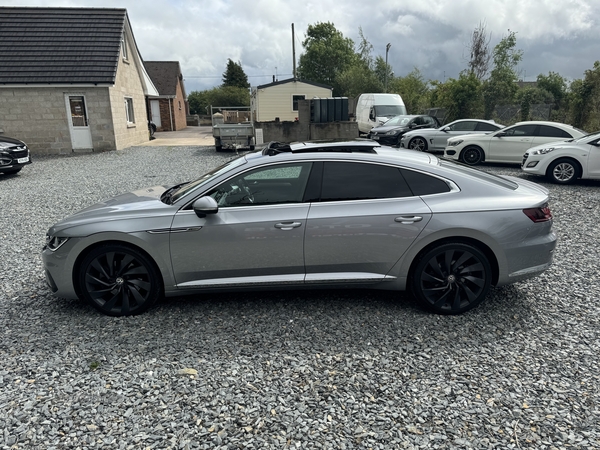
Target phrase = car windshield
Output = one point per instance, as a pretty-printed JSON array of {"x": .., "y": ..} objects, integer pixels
[
  {"x": 389, "y": 110},
  {"x": 188, "y": 187},
  {"x": 398, "y": 121},
  {"x": 592, "y": 136}
]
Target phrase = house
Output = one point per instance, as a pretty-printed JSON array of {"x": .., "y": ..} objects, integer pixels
[
  {"x": 279, "y": 100},
  {"x": 169, "y": 110},
  {"x": 72, "y": 79}
]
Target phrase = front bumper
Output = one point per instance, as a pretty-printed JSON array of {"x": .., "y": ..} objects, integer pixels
[
  {"x": 384, "y": 139},
  {"x": 58, "y": 270},
  {"x": 14, "y": 158}
]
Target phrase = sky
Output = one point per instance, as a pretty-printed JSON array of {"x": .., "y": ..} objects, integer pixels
[{"x": 430, "y": 35}]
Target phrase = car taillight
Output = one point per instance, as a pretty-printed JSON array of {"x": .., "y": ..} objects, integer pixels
[{"x": 541, "y": 214}]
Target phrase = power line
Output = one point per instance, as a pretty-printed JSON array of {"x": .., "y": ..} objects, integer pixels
[{"x": 249, "y": 76}]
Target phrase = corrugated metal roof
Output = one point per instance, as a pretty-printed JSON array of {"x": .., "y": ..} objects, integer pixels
[{"x": 60, "y": 45}]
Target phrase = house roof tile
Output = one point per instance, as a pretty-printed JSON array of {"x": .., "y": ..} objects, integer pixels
[
  {"x": 165, "y": 75},
  {"x": 60, "y": 45}
]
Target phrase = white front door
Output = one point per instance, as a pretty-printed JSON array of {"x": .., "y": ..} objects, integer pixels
[
  {"x": 155, "y": 110},
  {"x": 79, "y": 127}
]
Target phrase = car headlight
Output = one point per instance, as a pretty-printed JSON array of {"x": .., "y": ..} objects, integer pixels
[
  {"x": 541, "y": 151},
  {"x": 455, "y": 143},
  {"x": 53, "y": 243},
  {"x": 392, "y": 133}
]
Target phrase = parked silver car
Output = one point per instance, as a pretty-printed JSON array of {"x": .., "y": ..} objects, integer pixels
[
  {"x": 435, "y": 139},
  {"x": 350, "y": 214}
]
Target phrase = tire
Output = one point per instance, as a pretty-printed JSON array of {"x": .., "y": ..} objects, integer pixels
[
  {"x": 563, "y": 171},
  {"x": 472, "y": 156},
  {"x": 418, "y": 144},
  {"x": 12, "y": 171},
  {"x": 451, "y": 278},
  {"x": 119, "y": 280},
  {"x": 219, "y": 148}
]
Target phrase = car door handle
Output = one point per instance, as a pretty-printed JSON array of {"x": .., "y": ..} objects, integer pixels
[
  {"x": 408, "y": 219},
  {"x": 287, "y": 225}
]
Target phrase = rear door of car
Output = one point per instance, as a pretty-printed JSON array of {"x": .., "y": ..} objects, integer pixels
[
  {"x": 549, "y": 133},
  {"x": 511, "y": 144},
  {"x": 256, "y": 237},
  {"x": 360, "y": 224}
]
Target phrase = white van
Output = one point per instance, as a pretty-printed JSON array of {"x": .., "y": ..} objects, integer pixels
[{"x": 373, "y": 110}]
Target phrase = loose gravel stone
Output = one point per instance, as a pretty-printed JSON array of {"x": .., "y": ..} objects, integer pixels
[{"x": 335, "y": 369}]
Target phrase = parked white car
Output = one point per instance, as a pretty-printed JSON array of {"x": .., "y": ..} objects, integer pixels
[
  {"x": 435, "y": 139},
  {"x": 565, "y": 162},
  {"x": 508, "y": 144}
]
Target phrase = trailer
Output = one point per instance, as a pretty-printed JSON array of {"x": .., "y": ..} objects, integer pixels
[{"x": 233, "y": 127}]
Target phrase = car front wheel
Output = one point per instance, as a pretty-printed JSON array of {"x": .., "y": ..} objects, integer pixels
[
  {"x": 472, "y": 156},
  {"x": 452, "y": 278},
  {"x": 119, "y": 280},
  {"x": 563, "y": 171},
  {"x": 418, "y": 144}
]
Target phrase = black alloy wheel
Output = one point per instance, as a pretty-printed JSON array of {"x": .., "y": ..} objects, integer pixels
[
  {"x": 119, "y": 280},
  {"x": 563, "y": 171},
  {"x": 472, "y": 156},
  {"x": 452, "y": 278},
  {"x": 418, "y": 144}
]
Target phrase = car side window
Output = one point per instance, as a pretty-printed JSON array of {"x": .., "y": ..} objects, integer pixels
[
  {"x": 466, "y": 125},
  {"x": 549, "y": 131},
  {"x": 283, "y": 183},
  {"x": 422, "y": 184},
  {"x": 362, "y": 181},
  {"x": 483, "y": 126},
  {"x": 521, "y": 130}
]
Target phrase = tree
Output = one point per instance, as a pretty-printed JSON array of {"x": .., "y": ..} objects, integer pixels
[
  {"x": 501, "y": 86},
  {"x": 234, "y": 76},
  {"x": 529, "y": 96},
  {"x": 327, "y": 53},
  {"x": 585, "y": 100},
  {"x": 383, "y": 71},
  {"x": 201, "y": 101},
  {"x": 413, "y": 89},
  {"x": 479, "y": 49},
  {"x": 460, "y": 98},
  {"x": 356, "y": 80}
]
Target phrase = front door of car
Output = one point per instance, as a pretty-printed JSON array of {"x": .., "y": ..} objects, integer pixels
[
  {"x": 593, "y": 162},
  {"x": 510, "y": 144},
  {"x": 365, "y": 220},
  {"x": 256, "y": 237}
]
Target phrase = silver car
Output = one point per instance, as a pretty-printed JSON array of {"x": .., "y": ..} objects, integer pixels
[
  {"x": 308, "y": 215},
  {"x": 434, "y": 139}
]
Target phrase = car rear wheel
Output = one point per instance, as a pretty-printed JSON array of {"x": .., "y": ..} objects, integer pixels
[
  {"x": 418, "y": 144},
  {"x": 563, "y": 171},
  {"x": 472, "y": 156},
  {"x": 452, "y": 278},
  {"x": 119, "y": 280}
]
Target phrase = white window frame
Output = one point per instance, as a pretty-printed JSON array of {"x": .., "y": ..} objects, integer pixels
[
  {"x": 124, "y": 50},
  {"x": 129, "y": 110}
]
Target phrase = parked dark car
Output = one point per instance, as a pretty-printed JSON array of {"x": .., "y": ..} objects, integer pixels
[
  {"x": 14, "y": 154},
  {"x": 390, "y": 132}
]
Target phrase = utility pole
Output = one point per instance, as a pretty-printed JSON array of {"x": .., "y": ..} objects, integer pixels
[
  {"x": 387, "y": 49},
  {"x": 293, "y": 53}
]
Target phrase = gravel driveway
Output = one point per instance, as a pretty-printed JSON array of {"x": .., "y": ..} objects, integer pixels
[{"x": 285, "y": 370}]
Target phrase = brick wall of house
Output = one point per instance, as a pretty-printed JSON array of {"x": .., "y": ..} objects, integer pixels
[{"x": 173, "y": 115}]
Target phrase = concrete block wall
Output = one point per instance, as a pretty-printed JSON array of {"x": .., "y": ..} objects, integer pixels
[
  {"x": 128, "y": 83},
  {"x": 39, "y": 117}
]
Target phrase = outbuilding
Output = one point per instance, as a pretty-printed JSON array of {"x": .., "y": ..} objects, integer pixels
[
  {"x": 279, "y": 100},
  {"x": 72, "y": 79}
]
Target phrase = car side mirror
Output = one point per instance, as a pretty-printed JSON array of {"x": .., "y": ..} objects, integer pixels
[
  {"x": 500, "y": 134},
  {"x": 204, "y": 206},
  {"x": 446, "y": 129},
  {"x": 412, "y": 125}
]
